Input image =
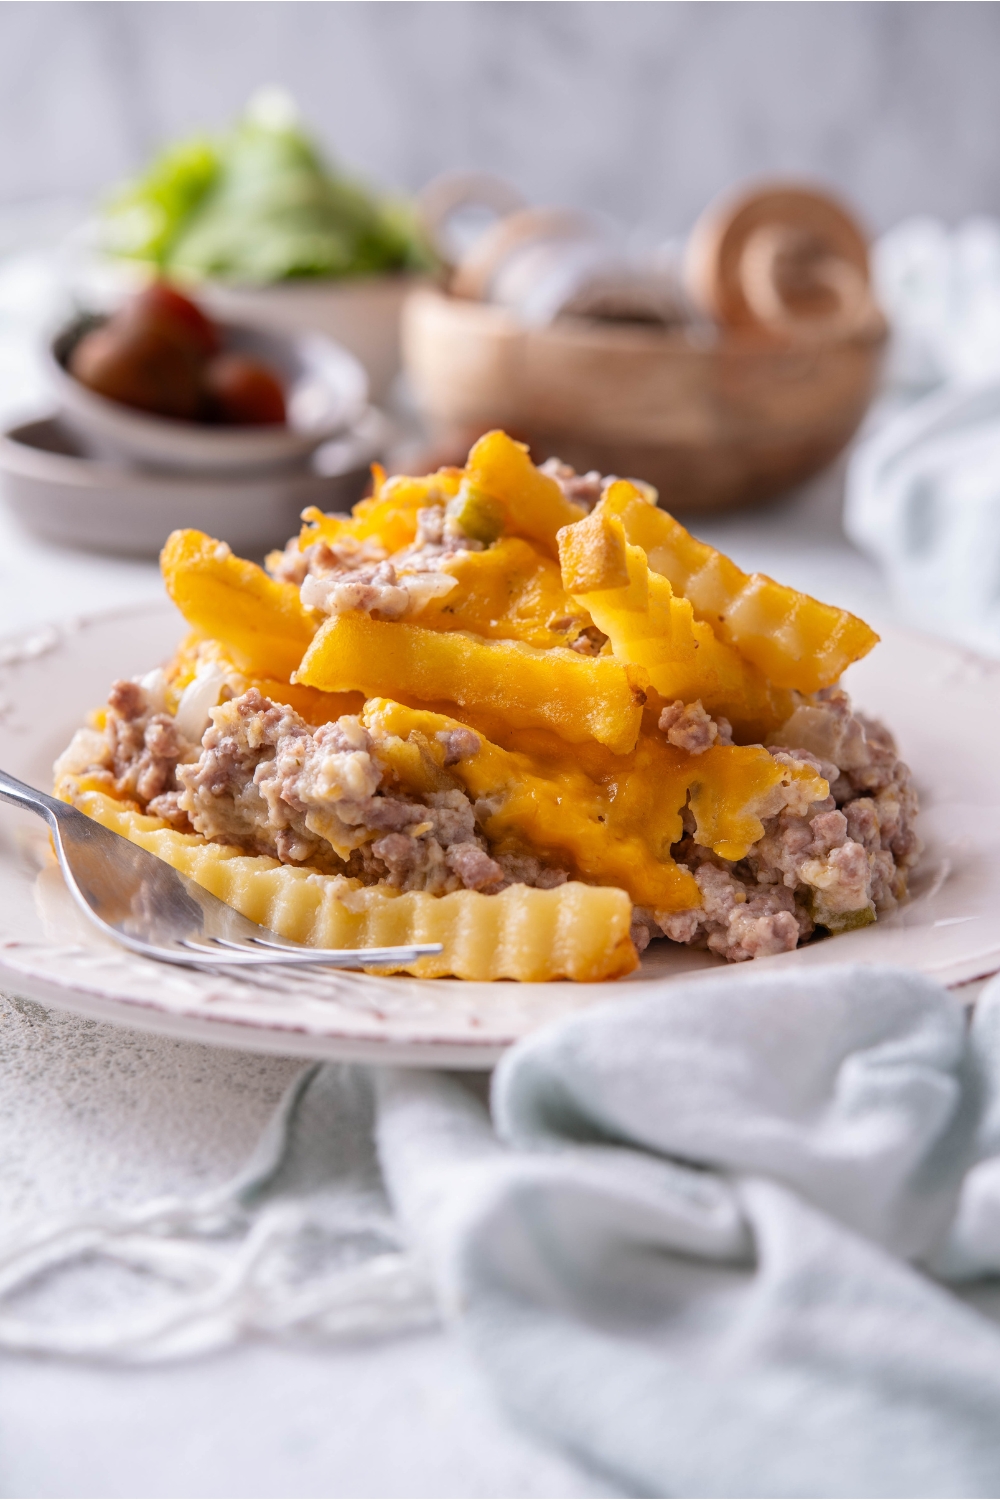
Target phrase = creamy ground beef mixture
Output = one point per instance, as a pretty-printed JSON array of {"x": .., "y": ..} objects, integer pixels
[
  {"x": 334, "y": 577},
  {"x": 265, "y": 780},
  {"x": 835, "y": 864},
  {"x": 237, "y": 768}
]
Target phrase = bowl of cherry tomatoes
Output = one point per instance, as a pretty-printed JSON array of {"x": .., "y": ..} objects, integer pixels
[{"x": 159, "y": 384}]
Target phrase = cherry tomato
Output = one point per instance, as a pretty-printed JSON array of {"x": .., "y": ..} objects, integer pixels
[
  {"x": 243, "y": 392},
  {"x": 141, "y": 367},
  {"x": 163, "y": 307}
]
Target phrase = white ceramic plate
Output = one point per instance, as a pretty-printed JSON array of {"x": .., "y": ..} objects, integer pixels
[{"x": 943, "y": 704}]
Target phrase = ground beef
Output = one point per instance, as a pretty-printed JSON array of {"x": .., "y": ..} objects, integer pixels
[
  {"x": 266, "y": 781},
  {"x": 832, "y": 864},
  {"x": 581, "y": 635},
  {"x": 475, "y": 868},
  {"x": 272, "y": 784},
  {"x": 589, "y": 641},
  {"x": 582, "y": 489},
  {"x": 690, "y": 728},
  {"x": 334, "y": 577},
  {"x": 168, "y": 807},
  {"x": 458, "y": 744},
  {"x": 137, "y": 753},
  {"x": 521, "y": 868},
  {"x": 375, "y": 589},
  {"x": 372, "y": 589},
  {"x": 295, "y": 564}
]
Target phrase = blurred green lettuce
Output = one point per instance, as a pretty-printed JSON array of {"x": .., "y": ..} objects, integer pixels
[{"x": 259, "y": 205}]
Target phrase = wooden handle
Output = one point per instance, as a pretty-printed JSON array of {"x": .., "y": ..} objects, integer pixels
[{"x": 783, "y": 259}]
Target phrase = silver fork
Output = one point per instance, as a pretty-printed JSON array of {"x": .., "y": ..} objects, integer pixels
[{"x": 146, "y": 905}]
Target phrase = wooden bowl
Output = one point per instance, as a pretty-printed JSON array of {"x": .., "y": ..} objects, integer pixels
[
  {"x": 711, "y": 423},
  {"x": 762, "y": 390}
]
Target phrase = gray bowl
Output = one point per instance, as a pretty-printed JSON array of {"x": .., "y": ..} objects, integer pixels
[
  {"x": 62, "y": 495},
  {"x": 326, "y": 392}
]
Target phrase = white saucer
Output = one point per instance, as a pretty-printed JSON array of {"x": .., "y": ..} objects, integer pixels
[
  {"x": 943, "y": 704},
  {"x": 63, "y": 496}
]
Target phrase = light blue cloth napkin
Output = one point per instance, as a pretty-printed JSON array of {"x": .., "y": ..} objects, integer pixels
[
  {"x": 736, "y": 1239},
  {"x": 695, "y": 1252},
  {"x": 923, "y": 498},
  {"x": 923, "y": 487}
]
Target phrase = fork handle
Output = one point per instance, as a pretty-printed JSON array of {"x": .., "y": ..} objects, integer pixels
[{"x": 19, "y": 794}]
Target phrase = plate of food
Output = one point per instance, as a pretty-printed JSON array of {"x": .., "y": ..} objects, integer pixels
[{"x": 522, "y": 714}]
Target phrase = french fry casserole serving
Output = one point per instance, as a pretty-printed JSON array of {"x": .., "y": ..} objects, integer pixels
[{"x": 517, "y": 711}]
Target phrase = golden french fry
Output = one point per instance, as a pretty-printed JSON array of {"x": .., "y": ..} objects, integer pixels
[
  {"x": 579, "y": 697},
  {"x": 535, "y": 506},
  {"x": 576, "y": 931},
  {"x": 650, "y": 627},
  {"x": 592, "y": 555},
  {"x": 796, "y": 641},
  {"x": 509, "y": 592},
  {"x": 262, "y": 623},
  {"x": 314, "y": 706}
]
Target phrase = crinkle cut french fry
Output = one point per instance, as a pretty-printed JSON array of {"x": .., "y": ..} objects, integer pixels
[
  {"x": 615, "y": 827},
  {"x": 796, "y": 641},
  {"x": 534, "y": 504},
  {"x": 650, "y": 627},
  {"x": 592, "y": 555},
  {"x": 314, "y": 706},
  {"x": 575, "y": 932},
  {"x": 263, "y": 623},
  {"x": 579, "y": 697}
]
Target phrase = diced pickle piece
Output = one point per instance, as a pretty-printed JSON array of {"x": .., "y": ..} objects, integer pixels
[
  {"x": 477, "y": 513},
  {"x": 580, "y": 698},
  {"x": 533, "y": 503},
  {"x": 839, "y": 921},
  {"x": 262, "y": 623},
  {"x": 796, "y": 641}
]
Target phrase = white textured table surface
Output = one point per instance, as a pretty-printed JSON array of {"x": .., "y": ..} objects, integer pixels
[{"x": 90, "y": 1115}]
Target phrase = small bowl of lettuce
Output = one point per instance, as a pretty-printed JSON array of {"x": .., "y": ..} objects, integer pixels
[{"x": 273, "y": 235}]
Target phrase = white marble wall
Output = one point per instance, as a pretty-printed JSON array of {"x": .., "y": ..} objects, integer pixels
[{"x": 643, "y": 110}]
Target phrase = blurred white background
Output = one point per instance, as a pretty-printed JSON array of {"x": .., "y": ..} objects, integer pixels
[{"x": 642, "y": 110}]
